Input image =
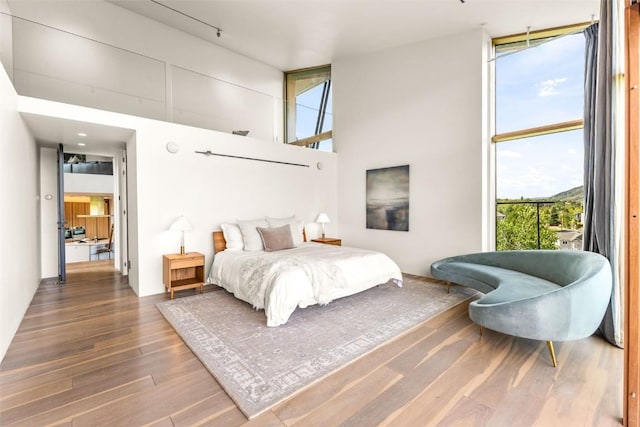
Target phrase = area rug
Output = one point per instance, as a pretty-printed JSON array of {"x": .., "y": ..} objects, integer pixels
[{"x": 259, "y": 366}]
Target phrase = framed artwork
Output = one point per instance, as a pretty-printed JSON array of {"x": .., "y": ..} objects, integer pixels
[{"x": 388, "y": 198}]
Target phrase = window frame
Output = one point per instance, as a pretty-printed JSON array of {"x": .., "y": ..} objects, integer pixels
[
  {"x": 290, "y": 108},
  {"x": 512, "y": 44}
]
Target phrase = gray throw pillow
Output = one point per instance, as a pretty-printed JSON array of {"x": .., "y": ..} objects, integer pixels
[{"x": 275, "y": 239}]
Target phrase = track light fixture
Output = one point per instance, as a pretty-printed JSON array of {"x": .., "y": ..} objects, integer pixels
[{"x": 218, "y": 29}]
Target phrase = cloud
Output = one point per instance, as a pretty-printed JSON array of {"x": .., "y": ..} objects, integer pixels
[{"x": 549, "y": 87}]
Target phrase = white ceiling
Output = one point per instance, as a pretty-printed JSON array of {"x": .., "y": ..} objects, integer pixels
[
  {"x": 293, "y": 34},
  {"x": 99, "y": 139}
]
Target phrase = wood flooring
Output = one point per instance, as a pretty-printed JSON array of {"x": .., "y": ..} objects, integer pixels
[{"x": 91, "y": 353}]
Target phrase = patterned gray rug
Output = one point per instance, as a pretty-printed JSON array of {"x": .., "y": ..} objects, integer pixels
[{"x": 260, "y": 366}]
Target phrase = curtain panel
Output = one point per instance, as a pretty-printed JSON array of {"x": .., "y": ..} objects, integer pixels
[{"x": 601, "y": 233}]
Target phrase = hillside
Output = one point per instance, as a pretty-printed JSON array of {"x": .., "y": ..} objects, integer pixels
[{"x": 574, "y": 194}]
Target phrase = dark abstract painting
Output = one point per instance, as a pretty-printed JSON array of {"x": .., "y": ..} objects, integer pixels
[{"x": 388, "y": 198}]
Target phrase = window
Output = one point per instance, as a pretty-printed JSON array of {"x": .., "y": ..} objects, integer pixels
[
  {"x": 308, "y": 118},
  {"x": 539, "y": 99}
]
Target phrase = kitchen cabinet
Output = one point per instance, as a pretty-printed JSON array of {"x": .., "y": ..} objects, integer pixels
[
  {"x": 76, "y": 252},
  {"x": 86, "y": 251},
  {"x": 77, "y": 214}
]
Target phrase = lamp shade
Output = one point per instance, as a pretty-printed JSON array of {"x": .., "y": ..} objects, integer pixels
[
  {"x": 323, "y": 218},
  {"x": 180, "y": 224}
]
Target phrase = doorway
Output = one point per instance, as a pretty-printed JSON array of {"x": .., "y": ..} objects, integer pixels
[{"x": 89, "y": 185}]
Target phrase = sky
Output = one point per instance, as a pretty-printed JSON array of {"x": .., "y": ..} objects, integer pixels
[
  {"x": 539, "y": 86},
  {"x": 308, "y": 104}
]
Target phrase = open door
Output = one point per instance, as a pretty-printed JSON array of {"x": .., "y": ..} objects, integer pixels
[
  {"x": 122, "y": 212},
  {"x": 62, "y": 268}
]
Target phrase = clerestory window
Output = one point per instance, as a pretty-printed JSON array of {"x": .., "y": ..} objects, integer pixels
[{"x": 308, "y": 118}]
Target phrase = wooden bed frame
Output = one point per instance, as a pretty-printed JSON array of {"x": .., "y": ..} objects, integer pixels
[{"x": 219, "y": 244}]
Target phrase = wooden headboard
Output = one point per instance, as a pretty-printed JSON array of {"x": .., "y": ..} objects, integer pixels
[{"x": 219, "y": 244}]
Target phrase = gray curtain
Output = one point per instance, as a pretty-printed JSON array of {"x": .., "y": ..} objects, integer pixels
[{"x": 599, "y": 156}]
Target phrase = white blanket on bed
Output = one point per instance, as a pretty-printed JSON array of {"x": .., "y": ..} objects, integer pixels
[
  {"x": 309, "y": 274},
  {"x": 260, "y": 272}
]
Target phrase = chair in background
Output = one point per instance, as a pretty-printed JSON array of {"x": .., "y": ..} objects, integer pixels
[{"x": 106, "y": 249}]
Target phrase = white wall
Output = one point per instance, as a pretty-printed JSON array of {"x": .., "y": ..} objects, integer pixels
[
  {"x": 19, "y": 247},
  {"x": 420, "y": 105},
  {"x": 88, "y": 183},
  {"x": 131, "y": 64},
  {"x": 208, "y": 190}
]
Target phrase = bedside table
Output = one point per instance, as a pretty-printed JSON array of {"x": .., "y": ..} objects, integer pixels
[
  {"x": 183, "y": 271},
  {"x": 328, "y": 241}
]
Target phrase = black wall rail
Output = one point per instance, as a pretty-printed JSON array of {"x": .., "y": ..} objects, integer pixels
[{"x": 210, "y": 153}]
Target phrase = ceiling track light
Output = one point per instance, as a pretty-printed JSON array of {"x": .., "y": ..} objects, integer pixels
[{"x": 218, "y": 29}]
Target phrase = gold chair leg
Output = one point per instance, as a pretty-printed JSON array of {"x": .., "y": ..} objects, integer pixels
[
  {"x": 481, "y": 330},
  {"x": 448, "y": 287},
  {"x": 552, "y": 353}
]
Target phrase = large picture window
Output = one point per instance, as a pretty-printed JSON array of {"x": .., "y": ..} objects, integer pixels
[
  {"x": 539, "y": 96},
  {"x": 309, "y": 121}
]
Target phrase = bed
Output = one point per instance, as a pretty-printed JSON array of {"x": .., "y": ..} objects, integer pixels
[{"x": 309, "y": 273}]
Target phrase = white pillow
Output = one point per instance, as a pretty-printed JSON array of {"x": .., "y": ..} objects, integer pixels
[
  {"x": 233, "y": 236},
  {"x": 296, "y": 227},
  {"x": 250, "y": 236}
]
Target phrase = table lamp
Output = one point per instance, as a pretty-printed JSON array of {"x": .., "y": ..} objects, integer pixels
[
  {"x": 181, "y": 224},
  {"x": 323, "y": 219}
]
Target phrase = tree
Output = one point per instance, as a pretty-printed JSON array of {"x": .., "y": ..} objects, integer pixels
[
  {"x": 555, "y": 216},
  {"x": 519, "y": 229}
]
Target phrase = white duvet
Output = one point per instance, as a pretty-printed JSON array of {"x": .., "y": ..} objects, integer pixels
[{"x": 312, "y": 273}]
